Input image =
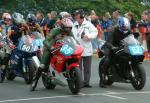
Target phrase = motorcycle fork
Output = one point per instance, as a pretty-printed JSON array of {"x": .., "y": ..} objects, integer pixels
[
  {"x": 131, "y": 70},
  {"x": 23, "y": 65}
]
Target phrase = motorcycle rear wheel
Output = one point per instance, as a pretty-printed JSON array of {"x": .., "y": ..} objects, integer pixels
[{"x": 74, "y": 82}]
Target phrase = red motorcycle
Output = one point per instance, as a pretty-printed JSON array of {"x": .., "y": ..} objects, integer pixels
[{"x": 64, "y": 62}]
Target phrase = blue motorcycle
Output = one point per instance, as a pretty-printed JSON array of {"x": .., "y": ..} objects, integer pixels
[
  {"x": 22, "y": 61},
  {"x": 125, "y": 64}
]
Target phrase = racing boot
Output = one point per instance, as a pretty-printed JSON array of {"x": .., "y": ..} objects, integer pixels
[{"x": 2, "y": 73}]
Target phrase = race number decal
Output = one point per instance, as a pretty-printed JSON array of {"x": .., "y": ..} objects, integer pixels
[
  {"x": 136, "y": 50},
  {"x": 26, "y": 48},
  {"x": 66, "y": 50}
]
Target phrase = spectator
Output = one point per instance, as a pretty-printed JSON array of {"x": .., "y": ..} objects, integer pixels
[
  {"x": 42, "y": 21},
  {"x": 148, "y": 26},
  {"x": 144, "y": 17},
  {"x": 146, "y": 23},
  {"x": 115, "y": 18},
  {"x": 93, "y": 14},
  {"x": 84, "y": 32},
  {"x": 130, "y": 17},
  {"x": 53, "y": 20},
  {"x": 49, "y": 16},
  {"x": 105, "y": 24},
  {"x": 95, "y": 22}
]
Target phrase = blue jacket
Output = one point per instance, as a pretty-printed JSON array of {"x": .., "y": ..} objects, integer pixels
[{"x": 106, "y": 25}]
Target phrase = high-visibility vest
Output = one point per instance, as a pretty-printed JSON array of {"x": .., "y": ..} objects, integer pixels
[
  {"x": 143, "y": 29},
  {"x": 135, "y": 30}
]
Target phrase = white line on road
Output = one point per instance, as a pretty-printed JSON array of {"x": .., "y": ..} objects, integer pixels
[
  {"x": 117, "y": 97},
  {"x": 108, "y": 93},
  {"x": 65, "y": 96},
  {"x": 39, "y": 98}
]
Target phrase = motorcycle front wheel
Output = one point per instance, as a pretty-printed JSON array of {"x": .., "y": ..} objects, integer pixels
[
  {"x": 74, "y": 82},
  {"x": 139, "y": 79},
  {"x": 104, "y": 74},
  {"x": 30, "y": 72},
  {"x": 10, "y": 75},
  {"x": 47, "y": 82}
]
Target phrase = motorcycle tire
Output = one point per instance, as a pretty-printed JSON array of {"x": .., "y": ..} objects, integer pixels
[
  {"x": 47, "y": 82},
  {"x": 138, "y": 82},
  {"x": 107, "y": 82},
  {"x": 74, "y": 82},
  {"x": 10, "y": 75},
  {"x": 2, "y": 76},
  {"x": 28, "y": 76}
]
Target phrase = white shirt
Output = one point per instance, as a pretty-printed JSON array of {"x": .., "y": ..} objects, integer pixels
[{"x": 90, "y": 30}]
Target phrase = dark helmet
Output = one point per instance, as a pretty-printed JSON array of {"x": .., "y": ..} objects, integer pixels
[
  {"x": 124, "y": 24},
  {"x": 81, "y": 12},
  {"x": 31, "y": 18},
  {"x": 17, "y": 18}
]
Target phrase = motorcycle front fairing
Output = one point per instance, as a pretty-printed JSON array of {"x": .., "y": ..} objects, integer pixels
[
  {"x": 68, "y": 52},
  {"x": 131, "y": 49}
]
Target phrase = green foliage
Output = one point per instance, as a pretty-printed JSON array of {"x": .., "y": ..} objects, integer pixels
[{"x": 100, "y": 6}]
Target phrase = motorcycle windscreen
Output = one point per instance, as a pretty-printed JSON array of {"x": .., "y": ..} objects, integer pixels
[
  {"x": 130, "y": 40},
  {"x": 133, "y": 45},
  {"x": 69, "y": 46},
  {"x": 136, "y": 50},
  {"x": 28, "y": 44},
  {"x": 38, "y": 39}
]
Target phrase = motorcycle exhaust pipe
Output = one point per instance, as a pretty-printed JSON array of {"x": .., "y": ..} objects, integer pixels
[{"x": 36, "y": 61}]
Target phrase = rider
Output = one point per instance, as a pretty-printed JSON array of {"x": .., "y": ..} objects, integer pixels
[
  {"x": 55, "y": 34},
  {"x": 36, "y": 30},
  {"x": 33, "y": 24},
  {"x": 18, "y": 29},
  {"x": 5, "y": 27},
  {"x": 41, "y": 21},
  {"x": 5, "y": 24},
  {"x": 114, "y": 42}
]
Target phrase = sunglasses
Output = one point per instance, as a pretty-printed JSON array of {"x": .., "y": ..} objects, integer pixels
[{"x": 7, "y": 19}]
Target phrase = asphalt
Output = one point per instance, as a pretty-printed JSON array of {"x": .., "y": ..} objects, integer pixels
[{"x": 18, "y": 92}]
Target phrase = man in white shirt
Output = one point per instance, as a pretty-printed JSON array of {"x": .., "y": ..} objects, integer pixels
[{"x": 84, "y": 31}]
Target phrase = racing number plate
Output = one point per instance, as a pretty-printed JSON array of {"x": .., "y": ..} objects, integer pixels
[
  {"x": 26, "y": 48},
  {"x": 66, "y": 50},
  {"x": 136, "y": 50}
]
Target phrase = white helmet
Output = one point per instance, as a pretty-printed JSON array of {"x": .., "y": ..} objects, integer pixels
[
  {"x": 6, "y": 16},
  {"x": 124, "y": 24},
  {"x": 18, "y": 18},
  {"x": 64, "y": 14},
  {"x": 67, "y": 22}
]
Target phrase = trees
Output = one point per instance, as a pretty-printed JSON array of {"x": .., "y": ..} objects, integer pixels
[{"x": 100, "y": 6}]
